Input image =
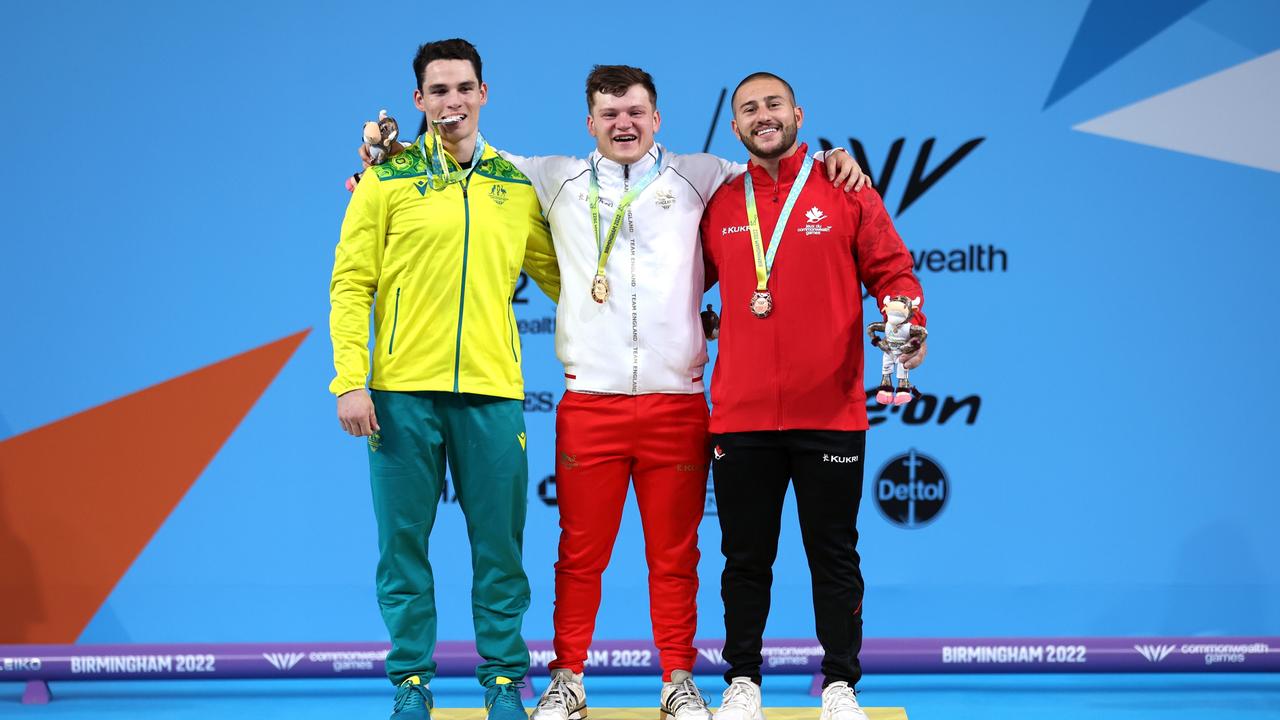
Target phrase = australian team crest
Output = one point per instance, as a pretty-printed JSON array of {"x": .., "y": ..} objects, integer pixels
[
  {"x": 665, "y": 198},
  {"x": 498, "y": 194}
]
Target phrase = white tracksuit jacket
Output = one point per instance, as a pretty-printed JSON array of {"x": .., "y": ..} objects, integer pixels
[{"x": 647, "y": 338}]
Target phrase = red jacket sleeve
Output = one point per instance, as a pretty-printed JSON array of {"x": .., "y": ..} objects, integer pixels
[{"x": 884, "y": 265}]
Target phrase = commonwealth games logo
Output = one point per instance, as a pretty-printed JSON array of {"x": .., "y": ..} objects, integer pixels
[
  {"x": 283, "y": 661},
  {"x": 1155, "y": 653}
]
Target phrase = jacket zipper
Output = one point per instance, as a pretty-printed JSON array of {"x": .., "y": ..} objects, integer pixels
[
  {"x": 395, "y": 319},
  {"x": 635, "y": 339},
  {"x": 777, "y": 356},
  {"x": 462, "y": 294}
]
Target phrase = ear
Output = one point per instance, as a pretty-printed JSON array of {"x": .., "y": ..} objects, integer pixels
[
  {"x": 799, "y": 117},
  {"x": 484, "y": 93},
  {"x": 419, "y": 101},
  {"x": 657, "y": 121},
  {"x": 591, "y": 125}
]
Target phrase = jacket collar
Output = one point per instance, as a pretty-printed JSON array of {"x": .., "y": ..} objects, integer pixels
[
  {"x": 429, "y": 140},
  {"x": 788, "y": 167},
  {"x": 608, "y": 168}
]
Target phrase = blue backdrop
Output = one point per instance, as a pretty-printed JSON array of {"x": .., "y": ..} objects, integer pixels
[{"x": 175, "y": 190}]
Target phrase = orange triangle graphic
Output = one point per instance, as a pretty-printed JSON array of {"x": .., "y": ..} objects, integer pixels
[{"x": 81, "y": 497}]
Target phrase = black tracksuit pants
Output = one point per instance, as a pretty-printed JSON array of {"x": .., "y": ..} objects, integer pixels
[{"x": 751, "y": 472}]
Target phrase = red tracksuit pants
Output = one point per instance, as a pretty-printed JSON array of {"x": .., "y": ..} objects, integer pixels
[{"x": 602, "y": 441}]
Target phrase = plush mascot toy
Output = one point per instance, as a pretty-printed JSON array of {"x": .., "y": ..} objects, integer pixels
[
  {"x": 380, "y": 138},
  {"x": 901, "y": 337}
]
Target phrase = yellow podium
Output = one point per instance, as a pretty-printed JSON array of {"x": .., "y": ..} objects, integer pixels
[{"x": 606, "y": 713}]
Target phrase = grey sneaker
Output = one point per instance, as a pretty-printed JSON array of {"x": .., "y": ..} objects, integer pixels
[
  {"x": 565, "y": 698},
  {"x": 681, "y": 699},
  {"x": 741, "y": 701},
  {"x": 840, "y": 702}
]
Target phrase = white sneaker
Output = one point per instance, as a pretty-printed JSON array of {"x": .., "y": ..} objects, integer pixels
[
  {"x": 565, "y": 698},
  {"x": 741, "y": 701},
  {"x": 681, "y": 699},
  {"x": 839, "y": 702}
]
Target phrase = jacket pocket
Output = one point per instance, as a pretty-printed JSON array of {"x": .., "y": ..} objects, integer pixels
[
  {"x": 512, "y": 335},
  {"x": 395, "y": 320}
]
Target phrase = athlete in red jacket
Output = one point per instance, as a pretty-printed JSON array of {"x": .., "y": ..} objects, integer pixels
[{"x": 787, "y": 390}]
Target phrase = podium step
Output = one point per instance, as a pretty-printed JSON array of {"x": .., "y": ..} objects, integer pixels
[{"x": 651, "y": 713}]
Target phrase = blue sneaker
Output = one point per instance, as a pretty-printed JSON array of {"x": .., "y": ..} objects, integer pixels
[
  {"x": 502, "y": 700},
  {"x": 413, "y": 701}
]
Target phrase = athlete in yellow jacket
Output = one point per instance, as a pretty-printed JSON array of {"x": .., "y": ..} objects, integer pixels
[
  {"x": 432, "y": 243},
  {"x": 443, "y": 265}
]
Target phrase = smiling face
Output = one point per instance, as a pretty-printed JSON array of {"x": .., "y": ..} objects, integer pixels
[
  {"x": 450, "y": 90},
  {"x": 766, "y": 118},
  {"x": 623, "y": 126}
]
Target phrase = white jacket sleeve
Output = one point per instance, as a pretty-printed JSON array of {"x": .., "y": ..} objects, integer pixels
[
  {"x": 541, "y": 172},
  {"x": 730, "y": 170}
]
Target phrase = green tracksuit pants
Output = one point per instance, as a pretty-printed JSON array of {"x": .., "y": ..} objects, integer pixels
[{"x": 483, "y": 440}]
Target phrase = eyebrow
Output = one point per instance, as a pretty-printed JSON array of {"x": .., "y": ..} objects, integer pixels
[
  {"x": 766, "y": 99},
  {"x": 445, "y": 86}
]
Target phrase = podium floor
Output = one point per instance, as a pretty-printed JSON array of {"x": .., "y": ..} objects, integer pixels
[
  {"x": 958, "y": 697},
  {"x": 648, "y": 713}
]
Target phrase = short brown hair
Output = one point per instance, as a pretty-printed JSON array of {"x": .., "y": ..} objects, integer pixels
[{"x": 616, "y": 80}]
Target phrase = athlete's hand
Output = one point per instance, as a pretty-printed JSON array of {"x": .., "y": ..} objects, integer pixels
[
  {"x": 355, "y": 413},
  {"x": 841, "y": 168},
  {"x": 396, "y": 148},
  {"x": 911, "y": 361},
  {"x": 710, "y": 323}
]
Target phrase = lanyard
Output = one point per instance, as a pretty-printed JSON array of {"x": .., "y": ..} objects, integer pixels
[
  {"x": 593, "y": 200},
  {"x": 764, "y": 265},
  {"x": 438, "y": 167}
]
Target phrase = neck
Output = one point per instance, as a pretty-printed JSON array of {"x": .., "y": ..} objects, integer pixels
[
  {"x": 771, "y": 165},
  {"x": 461, "y": 149}
]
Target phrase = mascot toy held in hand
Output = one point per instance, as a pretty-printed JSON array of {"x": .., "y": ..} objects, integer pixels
[
  {"x": 380, "y": 138},
  {"x": 900, "y": 338}
]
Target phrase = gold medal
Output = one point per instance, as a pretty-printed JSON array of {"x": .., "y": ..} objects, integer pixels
[
  {"x": 762, "y": 304},
  {"x": 599, "y": 289}
]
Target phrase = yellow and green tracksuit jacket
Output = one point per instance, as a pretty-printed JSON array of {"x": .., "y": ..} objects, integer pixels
[{"x": 439, "y": 269}]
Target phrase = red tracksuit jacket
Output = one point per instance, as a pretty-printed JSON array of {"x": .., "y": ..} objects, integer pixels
[{"x": 801, "y": 367}]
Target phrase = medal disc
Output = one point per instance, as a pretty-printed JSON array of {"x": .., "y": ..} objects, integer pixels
[
  {"x": 762, "y": 304},
  {"x": 600, "y": 289}
]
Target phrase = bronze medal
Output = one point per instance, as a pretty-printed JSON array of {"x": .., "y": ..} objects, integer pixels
[
  {"x": 762, "y": 304},
  {"x": 600, "y": 289}
]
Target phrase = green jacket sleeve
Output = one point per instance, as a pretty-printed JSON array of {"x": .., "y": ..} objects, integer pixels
[
  {"x": 357, "y": 264},
  {"x": 540, "y": 256}
]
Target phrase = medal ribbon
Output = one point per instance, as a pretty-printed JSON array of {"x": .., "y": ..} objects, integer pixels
[
  {"x": 438, "y": 171},
  {"x": 764, "y": 265},
  {"x": 593, "y": 201}
]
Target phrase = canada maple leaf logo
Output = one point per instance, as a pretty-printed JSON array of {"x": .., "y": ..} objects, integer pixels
[{"x": 815, "y": 215}]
